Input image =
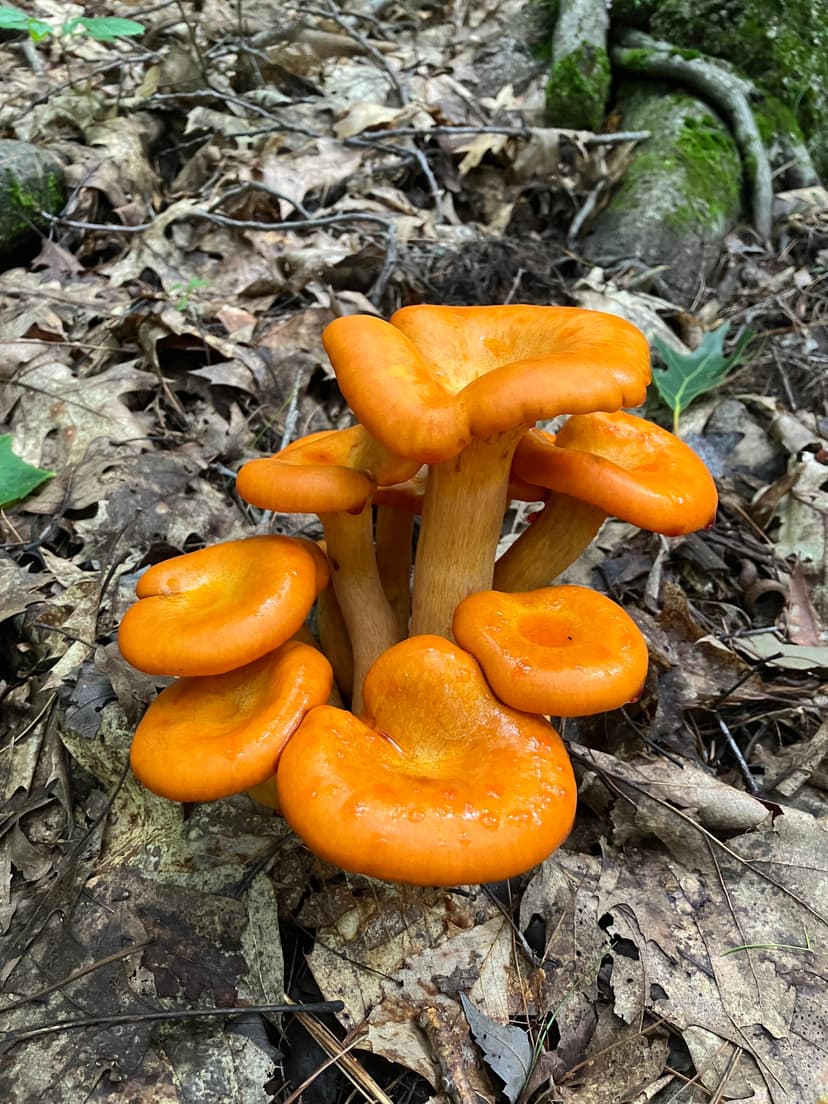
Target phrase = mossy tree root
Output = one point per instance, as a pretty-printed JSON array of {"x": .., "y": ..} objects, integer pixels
[
  {"x": 579, "y": 80},
  {"x": 639, "y": 53}
]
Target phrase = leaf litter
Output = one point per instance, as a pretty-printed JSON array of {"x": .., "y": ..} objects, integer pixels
[{"x": 233, "y": 187}]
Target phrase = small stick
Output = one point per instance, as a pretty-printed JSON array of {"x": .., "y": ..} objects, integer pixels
[{"x": 740, "y": 759}]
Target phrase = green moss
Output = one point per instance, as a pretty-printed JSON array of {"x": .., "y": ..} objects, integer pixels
[
  {"x": 31, "y": 197},
  {"x": 30, "y": 182},
  {"x": 689, "y": 173},
  {"x": 773, "y": 117},
  {"x": 576, "y": 94},
  {"x": 708, "y": 158},
  {"x": 636, "y": 58},
  {"x": 782, "y": 45}
]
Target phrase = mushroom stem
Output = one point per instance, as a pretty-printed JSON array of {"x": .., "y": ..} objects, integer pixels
[
  {"x": 394, "y": 530},
  {"x": 334, "y": 639},
  {"x": 550, "y": 544},
  {"x": 462, "y": 518},
  {"x": 368, "y": 616}
]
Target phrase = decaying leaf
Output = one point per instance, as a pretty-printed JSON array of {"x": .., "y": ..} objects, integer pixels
[
  {"x": 791, "y": 657},
  {"x": 505, "y": 1048},
  {"x": 389, "y": 954},
  {"x": 18, "y": 587}
]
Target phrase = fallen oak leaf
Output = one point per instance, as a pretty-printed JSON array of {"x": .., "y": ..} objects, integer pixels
[{"x": 505, "y": 1048}]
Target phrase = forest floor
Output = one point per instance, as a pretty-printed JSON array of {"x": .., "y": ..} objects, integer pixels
[{"x": 237, "y": 179}]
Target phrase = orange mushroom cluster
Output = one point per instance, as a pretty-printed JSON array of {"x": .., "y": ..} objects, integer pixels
[{"x": 442, "y": 767}]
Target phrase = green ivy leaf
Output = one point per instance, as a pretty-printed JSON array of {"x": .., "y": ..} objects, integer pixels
[
  {"x": 686, "y": 377},
  {"x": 17, "y": 478},
  {"x": 13, "y": 19},
  {"x": 106, "y": 29}
]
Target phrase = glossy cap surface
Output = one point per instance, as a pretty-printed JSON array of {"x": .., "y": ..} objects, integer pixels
[
  {"x": 566, "y": 651},
  {"x": 328, "y": 472},
  {"x": 437, "y": 782},
  {"x": 211, "y": 611},
  {"x": 630, "y": 468},
  {"x": 205, "y": 738},
  {"x": 434, "y": 377}
]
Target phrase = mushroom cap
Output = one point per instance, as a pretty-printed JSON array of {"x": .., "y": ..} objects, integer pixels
[
  {"x": 211, "y": 611},
  {"x": 564, "y": 650},
  {"x": 628, "y": 467},
  {"x": 436, "y": 783},
  {"x": 205, "y": 738},
  {"x": 328, "y": 472},
  {"x": 433, "y": 377}
]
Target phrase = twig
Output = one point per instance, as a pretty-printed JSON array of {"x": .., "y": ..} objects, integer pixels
[
  {"x": 256, "y": 186},
  {"x": 512, "y": 131},
  {"x": 21, "y": 1035},
  {"x": 405, "y": 151},
  {"x": 353, "y": 1070},
  {"x": 750, "y": 781},
  {"x": 586, "y": 210},
  {"x": 86, "y": 77},
  {"x": 639, "y": 53},
  {"x": 449, "y": 1054},
  {"x": 224, "y": 97},
  {"x": 75, "y": 975},
  {"x": 331, "y": 1060},
  {"x": 224, "y": 220},
  {"x": 378, "y": 287},
  {"x": 115, "y": 227},
  {"x": 289, "y": 224},
  {"x": 730, "y": 1069}
]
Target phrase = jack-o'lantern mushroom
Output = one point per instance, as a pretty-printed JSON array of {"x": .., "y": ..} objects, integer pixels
[
  {"x": 334, "y": 474},
  {"x": 603, "y": 465},
  {"x": 205, "y": 738},
  {"x": 397, "y": 506},
  {"x": 210, "y": 611},
  {"x": 566, "y": 651},
  {"x": 456, "y": 388},
  {"x": 436, "y": 783}
]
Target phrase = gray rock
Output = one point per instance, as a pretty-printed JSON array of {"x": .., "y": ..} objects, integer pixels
[{"x": 31, "y": 181}]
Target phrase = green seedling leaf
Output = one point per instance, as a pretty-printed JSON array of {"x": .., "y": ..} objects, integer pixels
[
  {"x": 685, "y": 378},
  {"x": 13, "y": 19},
  {"x": 105, "y": 29},
  {"x": 17, "y": 478}
]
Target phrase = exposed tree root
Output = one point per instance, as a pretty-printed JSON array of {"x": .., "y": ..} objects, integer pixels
[{"x": 639, "y": 53}]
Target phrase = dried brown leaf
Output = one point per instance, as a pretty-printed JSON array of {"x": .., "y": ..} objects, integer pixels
[
  {"x": 801, "y": 618},
  {"x": 392, "y": 954},
  {"x": 718, "y": 807},
  {"x": 18, "y": 586},
  {"x": 57, "y": 416}
]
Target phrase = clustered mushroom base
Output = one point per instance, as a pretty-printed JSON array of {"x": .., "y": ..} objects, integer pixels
[{"x": 445, "y": 769}]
